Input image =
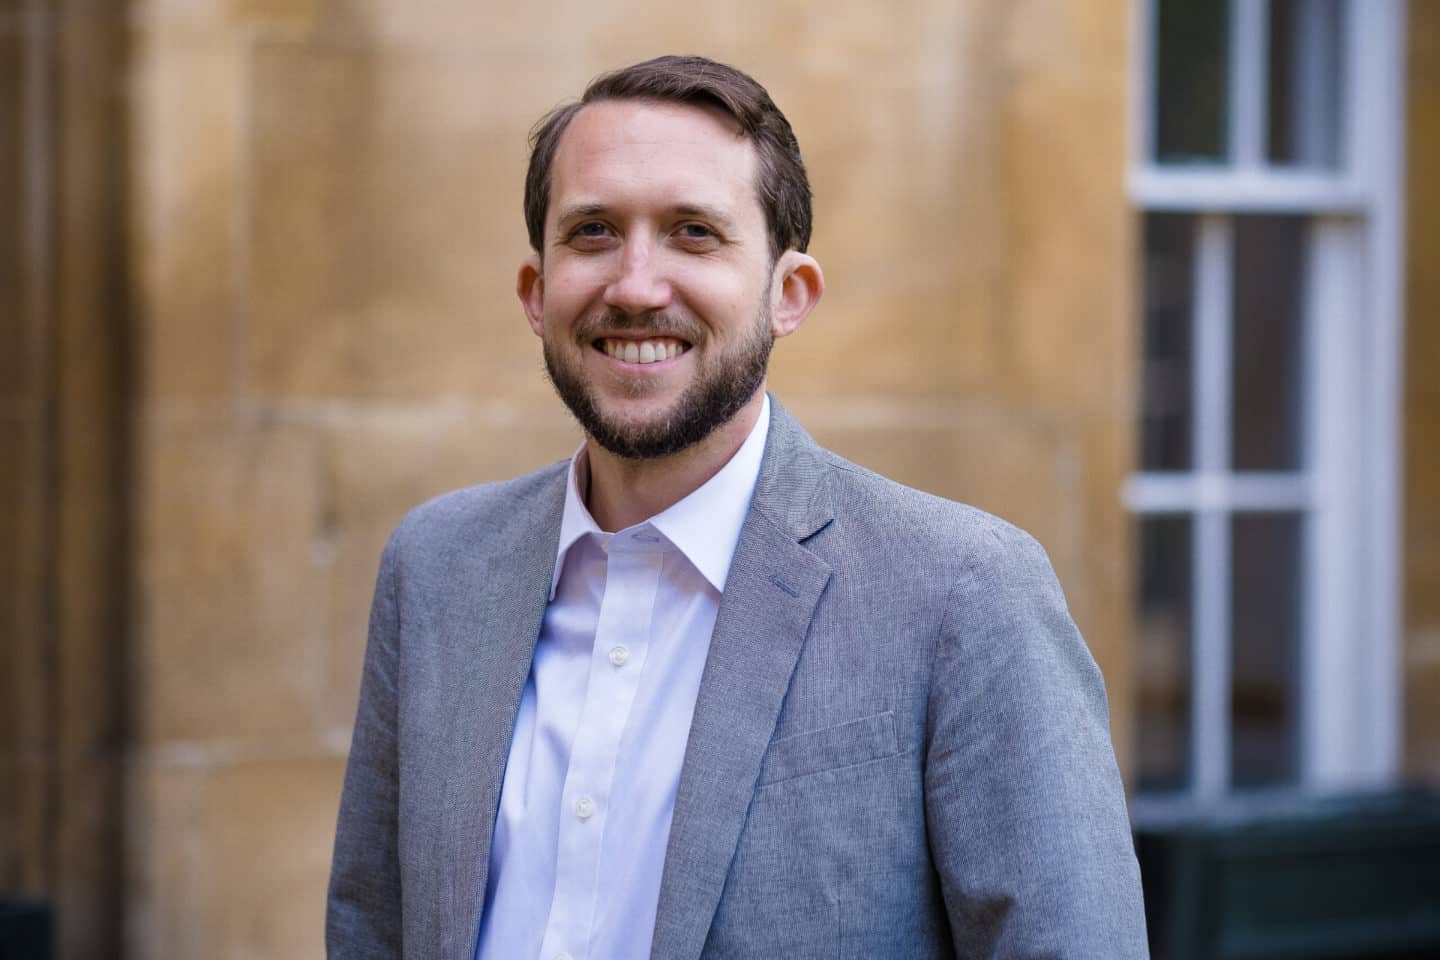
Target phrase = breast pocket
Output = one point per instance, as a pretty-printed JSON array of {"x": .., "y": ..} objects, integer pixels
[
  {"x": 829, "y": 832},
  {"x": 831, "y": 748}
]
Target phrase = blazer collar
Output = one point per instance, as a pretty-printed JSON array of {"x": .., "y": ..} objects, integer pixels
[
  {"x": 793, "y": 490},
  {"x": 774, "y": 585}
]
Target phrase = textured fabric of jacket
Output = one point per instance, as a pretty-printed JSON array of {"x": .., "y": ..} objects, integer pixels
[{"x": 900, "y": 746}]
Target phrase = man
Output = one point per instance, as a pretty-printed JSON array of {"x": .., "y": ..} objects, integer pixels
[{"x": 708, "y": 690}]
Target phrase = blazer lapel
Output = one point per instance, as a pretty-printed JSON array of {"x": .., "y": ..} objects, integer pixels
[
  {"x": 770, "y": 596},
  {"x": 486, "y": 639}
]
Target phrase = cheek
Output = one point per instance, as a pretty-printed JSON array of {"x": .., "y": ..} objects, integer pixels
[
  {"x": 566, "y": 293},
  {"x": 724, "y": 299}
]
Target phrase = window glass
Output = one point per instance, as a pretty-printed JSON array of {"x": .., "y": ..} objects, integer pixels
[
  {"x": 1267, "y": 348},
  {"x": 1191, "y": 88},
  {"x": 1264, "y": 661},
  {"x": 1306, "y": 77},
  {"x": 1164, "y": 652},
  {"x": 1165, "y": 402}
]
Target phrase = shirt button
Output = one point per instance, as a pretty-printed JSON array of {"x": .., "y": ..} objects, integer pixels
[
  {"x": 619, "y": 656},
  {"x": 584, "y": 808}
]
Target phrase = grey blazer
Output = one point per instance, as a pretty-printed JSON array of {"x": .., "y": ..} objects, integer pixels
[{"x": 900, "y": 746}]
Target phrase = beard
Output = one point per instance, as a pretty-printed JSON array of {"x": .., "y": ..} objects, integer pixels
[{"x": 723, "y": 384}]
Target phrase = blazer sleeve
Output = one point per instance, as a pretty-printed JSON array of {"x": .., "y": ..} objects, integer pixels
[
  {"x": 1024, "y": 806},
  {"x": 363, "y": 915}
]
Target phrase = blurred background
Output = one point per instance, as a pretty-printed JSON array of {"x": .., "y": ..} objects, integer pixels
[{"x": 1157, "y": 280}]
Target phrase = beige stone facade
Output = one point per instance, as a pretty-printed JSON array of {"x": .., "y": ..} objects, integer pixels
[
  {"x": 266, "y": 306},
  {"x": 1422, "y": 400}
]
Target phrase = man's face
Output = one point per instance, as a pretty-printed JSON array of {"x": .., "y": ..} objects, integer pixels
[{"x": 654, "y": 300}]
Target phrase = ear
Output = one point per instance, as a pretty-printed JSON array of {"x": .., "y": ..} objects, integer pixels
[
  {"x": 530, "y": 288},
  {"x": 796, "y": 287}
]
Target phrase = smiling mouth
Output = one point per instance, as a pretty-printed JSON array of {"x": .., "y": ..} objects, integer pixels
[{"x": 653, "y": 350}]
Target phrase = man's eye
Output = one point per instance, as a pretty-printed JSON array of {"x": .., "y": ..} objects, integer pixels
[
  {"x": 591, "y": 229},
  {"x": 696, "y": 231}
]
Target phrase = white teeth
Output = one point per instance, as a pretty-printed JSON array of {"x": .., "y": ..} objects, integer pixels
[{"x": 642, "y": 351}]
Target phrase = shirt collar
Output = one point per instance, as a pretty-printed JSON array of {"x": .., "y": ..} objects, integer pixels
[{"x": 705, "y": 525}]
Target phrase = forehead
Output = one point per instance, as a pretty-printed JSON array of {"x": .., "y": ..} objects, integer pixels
[{"x": 629, "y": 152}]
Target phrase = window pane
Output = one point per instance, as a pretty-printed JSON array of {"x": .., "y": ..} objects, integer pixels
[
  {"x": 1307, "y": 68},
  {"x": 1268, "y": 348},
  {"x": 1164, "y": 652},
  {"x": 1191, "y": 81},
  {"x": 1165, "y": 411},
  {"x": 1264, "y": 662}
]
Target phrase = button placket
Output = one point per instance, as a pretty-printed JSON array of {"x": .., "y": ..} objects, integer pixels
[{"x": 632, "y": 581}]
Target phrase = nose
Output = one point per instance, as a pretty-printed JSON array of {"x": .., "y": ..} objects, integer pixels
[{"x": 640, "y": 285}]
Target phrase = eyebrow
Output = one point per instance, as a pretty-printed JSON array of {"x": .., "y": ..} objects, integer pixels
[
  {"x": 700, "y": 211},
  {"x": 578, "y": 211}
]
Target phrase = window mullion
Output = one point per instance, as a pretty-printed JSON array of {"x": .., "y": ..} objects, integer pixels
[
  {"x": 1211, "y": 655},
  {"x": 1332, "y": 747},
  {"x": 1143, "y": 84},
  {"x": 1214, "y": 250},
  {"x": 1249, "y": 46},
  {"x": 1210, "y": 651}
]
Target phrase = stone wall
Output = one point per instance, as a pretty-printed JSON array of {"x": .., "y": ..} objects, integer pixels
[
  {"x": 325, "y": 224},
  {"x": 1422, "y": 400}
]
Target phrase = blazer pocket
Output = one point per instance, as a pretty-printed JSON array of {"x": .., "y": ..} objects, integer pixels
[{"x": 845, "y": 745}]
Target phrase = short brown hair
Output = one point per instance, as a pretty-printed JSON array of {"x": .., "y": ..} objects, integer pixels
[{"x": 783, "y": 188}]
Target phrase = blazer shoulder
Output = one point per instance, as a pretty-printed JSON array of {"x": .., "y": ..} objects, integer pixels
[
  {"x": 485, "y": 511},
  {"x": 936, "y": 526}
]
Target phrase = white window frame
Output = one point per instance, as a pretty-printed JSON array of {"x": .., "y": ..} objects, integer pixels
[{"x": 1348, "y": 490}]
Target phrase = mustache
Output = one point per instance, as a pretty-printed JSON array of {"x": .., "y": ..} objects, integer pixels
[{"x": 657, "y": 323}]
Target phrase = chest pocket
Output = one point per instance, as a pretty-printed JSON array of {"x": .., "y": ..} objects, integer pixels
[{"x": 830, "y": 748}]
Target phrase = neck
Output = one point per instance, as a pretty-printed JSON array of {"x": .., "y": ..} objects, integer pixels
[{"x": 626, "y": 492}]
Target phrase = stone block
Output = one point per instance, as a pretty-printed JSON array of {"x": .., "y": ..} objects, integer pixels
[
  {"x": 287, "y": 17},
  {"x": 168, "y": 913},
  {"x": 230, "y": 598},
  {"x": 268, "y": 835},
  {"x": 386, "y": 226},
  {"x": 189, "y": 206},
  {"x": 1421, "y": 731},
  {"x": 1422, "y": 578},
  {"x": 910, "y": 342},
  {"x": 384, "y": 466},
  {"x": 571, "y": 34},
  {"x": 1421, "y": 534},
  {"x": 1068, "y": 245},
  {"x": 904, "y": 175}
]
